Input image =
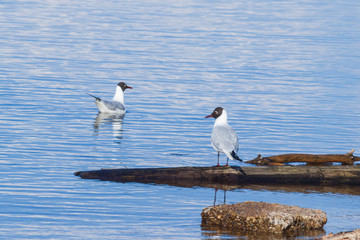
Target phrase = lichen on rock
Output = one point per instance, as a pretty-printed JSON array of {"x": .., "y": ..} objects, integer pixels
[{"x": 262, "y": 217}]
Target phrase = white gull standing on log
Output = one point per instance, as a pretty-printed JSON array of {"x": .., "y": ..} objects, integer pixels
[
  {"x": 223, "y": 136},
  {"x": 116, "y": 105}
]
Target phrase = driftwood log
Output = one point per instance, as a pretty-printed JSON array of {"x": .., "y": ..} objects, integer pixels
[
  {"x": 310, "y": 159},
  {"x": 231, "y": 177}
]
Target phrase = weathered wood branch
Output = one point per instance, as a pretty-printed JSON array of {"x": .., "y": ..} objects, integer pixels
[
  {"x": 345, "y": 159},
  {"x": 225, "y": 177}
]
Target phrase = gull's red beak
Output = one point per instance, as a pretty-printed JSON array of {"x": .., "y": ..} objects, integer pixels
[
  {"x": 129, "y": 87},
  {"x": 208, "y": 116}
]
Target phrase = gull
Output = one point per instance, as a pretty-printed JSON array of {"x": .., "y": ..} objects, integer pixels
[
  {"x": 223, "y": 136},
  {"x": 116, "y": 105}
]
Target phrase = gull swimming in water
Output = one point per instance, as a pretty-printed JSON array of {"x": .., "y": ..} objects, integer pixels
[
  {"x": 116, "y": 105},
  {"x": 223, "y": 136}
]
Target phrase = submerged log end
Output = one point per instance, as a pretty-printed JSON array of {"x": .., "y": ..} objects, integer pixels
[{"x": 88, "y": 174}]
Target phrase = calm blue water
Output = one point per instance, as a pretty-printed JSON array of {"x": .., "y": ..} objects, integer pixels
[{"x": 287, "y": 72}]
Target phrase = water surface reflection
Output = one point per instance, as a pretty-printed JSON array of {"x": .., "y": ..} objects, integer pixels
[{"x": 107, "y": 119}]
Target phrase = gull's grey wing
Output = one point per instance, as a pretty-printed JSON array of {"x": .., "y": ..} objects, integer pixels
[
  {"x": 224, "y": 138},
  {"x": 113, "y": 105}
]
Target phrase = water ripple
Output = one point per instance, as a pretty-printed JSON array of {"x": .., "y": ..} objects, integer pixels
[{"x": 287, "y": 74}]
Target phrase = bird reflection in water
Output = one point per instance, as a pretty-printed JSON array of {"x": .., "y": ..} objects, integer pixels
[
  {"x": 106, "y": 119},
  {"x": 224, "y": 202}
]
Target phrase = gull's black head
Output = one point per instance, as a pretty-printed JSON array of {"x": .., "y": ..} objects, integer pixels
[
  {"x": 216, "y": 113},
  {"x": 123, "y": 86}
]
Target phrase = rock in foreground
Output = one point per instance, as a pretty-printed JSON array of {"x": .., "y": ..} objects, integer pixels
[
  {"x": 262, "y": 217},
  {"x": 353, "y": 235}
]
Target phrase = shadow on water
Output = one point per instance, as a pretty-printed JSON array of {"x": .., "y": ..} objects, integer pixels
[
  {"x": 115, "y": 120},
  {"x": 307, "y": 189}
]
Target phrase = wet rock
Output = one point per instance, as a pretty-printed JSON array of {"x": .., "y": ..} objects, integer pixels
[
  {"x": 262, "y": 217},
  {"x": 343, "y": 236}
]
